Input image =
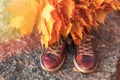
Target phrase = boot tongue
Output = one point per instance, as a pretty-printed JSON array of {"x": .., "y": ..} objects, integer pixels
[
  {"x": 86, "y": 58},
  {"x": 53, "y": 57}
]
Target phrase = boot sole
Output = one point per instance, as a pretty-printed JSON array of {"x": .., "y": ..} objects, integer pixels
[
  {"x": 83, "y": 70},
  {"x": 52, "y": 69}
]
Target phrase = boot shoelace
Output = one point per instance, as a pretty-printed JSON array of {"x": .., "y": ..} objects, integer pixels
[
  {"x": 85, "y": 47},
  {"x": 55, "y": 48}
]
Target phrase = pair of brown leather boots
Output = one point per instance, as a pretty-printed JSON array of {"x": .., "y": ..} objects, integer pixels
[{"x": 84, "y": 59}]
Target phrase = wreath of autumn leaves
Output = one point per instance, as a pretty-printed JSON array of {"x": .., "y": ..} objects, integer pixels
[{"x": 59, "y": 17}]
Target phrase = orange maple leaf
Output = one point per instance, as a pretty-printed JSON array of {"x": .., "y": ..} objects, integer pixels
[{"x": 59, "y": 17}]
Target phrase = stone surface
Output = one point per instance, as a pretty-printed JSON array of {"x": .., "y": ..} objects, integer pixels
[{"x": 26, "y": 65}]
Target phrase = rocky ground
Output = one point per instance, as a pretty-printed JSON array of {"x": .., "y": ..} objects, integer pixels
[{"x": 26, "y": 65}]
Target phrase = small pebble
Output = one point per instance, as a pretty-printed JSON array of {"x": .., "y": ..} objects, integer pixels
[
  {"x": 103, "y": 45},
  {"x": 1, "y": 78},
  {"x": 34, "y": 70}
]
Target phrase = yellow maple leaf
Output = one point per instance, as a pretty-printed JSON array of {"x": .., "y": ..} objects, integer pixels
[
  {"x": 27, "y": 13},
  {"x": 17, "y": 21},
  {"x": 45, "y": 23},
  {"x": 27, "y": 10}
]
